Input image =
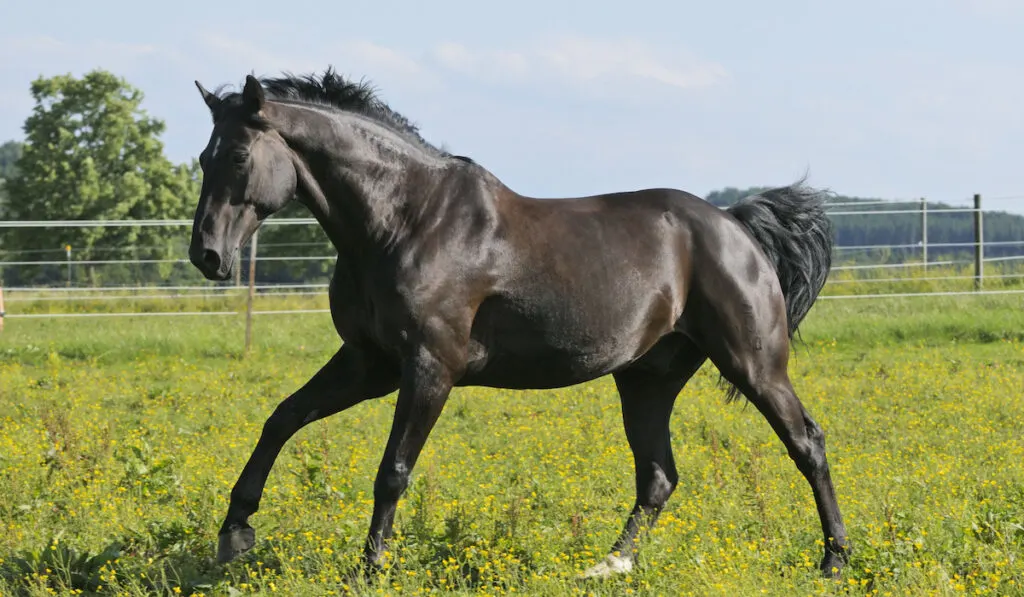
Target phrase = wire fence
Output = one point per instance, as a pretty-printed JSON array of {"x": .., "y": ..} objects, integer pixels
[{"x": 167, "y": 285}]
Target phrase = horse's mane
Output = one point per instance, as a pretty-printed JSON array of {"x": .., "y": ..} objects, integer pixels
[{"x": 333, "y": 90}]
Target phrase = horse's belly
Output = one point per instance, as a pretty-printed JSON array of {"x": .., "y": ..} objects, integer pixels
[
  {"x": 539, "y": 370},
  {"x": 520, "y": 349}
]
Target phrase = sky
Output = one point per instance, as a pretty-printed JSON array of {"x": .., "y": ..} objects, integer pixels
[{"x": 894, "y": 100}]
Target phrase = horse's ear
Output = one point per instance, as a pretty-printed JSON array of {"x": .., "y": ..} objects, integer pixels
[
  {"x": 212, "y": 101},
  {"x": 252, "y": 95}
]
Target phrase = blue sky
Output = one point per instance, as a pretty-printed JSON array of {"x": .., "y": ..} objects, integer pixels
[{"x": 883, "y": 99}]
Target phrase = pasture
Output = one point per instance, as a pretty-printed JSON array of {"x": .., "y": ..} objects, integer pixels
[{"x": 122, "y": 438}]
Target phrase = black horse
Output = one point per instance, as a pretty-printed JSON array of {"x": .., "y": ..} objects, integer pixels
[{"x": 445, "y": 277}]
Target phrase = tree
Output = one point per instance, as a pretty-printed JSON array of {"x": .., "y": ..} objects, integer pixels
[
  {"x": 92, "y": 153},
  {"x": 294, "y": 241},
  {"x": 9, "y": 154}
]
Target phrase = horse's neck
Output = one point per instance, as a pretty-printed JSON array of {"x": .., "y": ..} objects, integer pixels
[{"x": 358, "y": 177}]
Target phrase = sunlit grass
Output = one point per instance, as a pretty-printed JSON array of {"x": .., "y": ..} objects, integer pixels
[
  {"x": 913, "y": 277},
  {"x": 121, "y": 440}
]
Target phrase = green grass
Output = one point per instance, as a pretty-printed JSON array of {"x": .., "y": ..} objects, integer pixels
[
  {"x": 911, "y": 277},
  {"x": 122, "y": 437}
]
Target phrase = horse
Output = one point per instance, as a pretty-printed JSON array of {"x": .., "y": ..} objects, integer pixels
[{"x": 446, "y": 277}]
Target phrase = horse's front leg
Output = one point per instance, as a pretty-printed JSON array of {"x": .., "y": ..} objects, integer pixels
[
  {"x": 424, "y": 389},
  {"x": 349, "y": 378}
]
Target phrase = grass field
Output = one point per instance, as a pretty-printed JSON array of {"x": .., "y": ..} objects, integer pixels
[{"x": 121, "y": 439}]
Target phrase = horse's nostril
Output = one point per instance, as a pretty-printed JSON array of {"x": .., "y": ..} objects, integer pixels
[{"x": 211, "y": 259}]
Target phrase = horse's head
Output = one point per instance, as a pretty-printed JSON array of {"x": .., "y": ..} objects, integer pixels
[{"x": 248, "y": 174}]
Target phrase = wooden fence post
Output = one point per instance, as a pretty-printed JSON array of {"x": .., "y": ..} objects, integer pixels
[
  {"x": 924, "y": 232},
  {"x": 2, "y": 313},
  {"x": 252, "y": 292},
  {"x": 67, "y": 251},
  {"x": 979, "y": 245}
]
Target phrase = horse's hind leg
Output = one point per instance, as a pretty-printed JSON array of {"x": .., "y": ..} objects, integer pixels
[
  {"x": 346, "y": 380},
  {"x": 805, "y": 442},
  {"x": 756, "y": 365},
  {"x": 647, "y": 400}
]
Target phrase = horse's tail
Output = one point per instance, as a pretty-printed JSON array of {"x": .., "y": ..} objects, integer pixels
[{"x": 795, "y": 233}]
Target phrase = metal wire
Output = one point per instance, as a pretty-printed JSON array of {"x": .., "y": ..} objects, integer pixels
[
  {"x": 917, "y": 294},
  {"x": 134, "y": 261},
  {"x": 931, "y": 212},
  {"x": 880, "y": 202},
  {"x": 928, "y": 279},
  {"x": 154, "y": 287},
  {"x": 919, "y": 245},
  {"x": 161, "y": 314},
  {"x": 116, "y": 314},
  {"x": 131, "y": 223},
  {"x": 139, "y": 297},
  {"x": 895, "y": 265}
]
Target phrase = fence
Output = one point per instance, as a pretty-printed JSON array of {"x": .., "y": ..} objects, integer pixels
[
  {"x": 1008, "y": 262},
  {"x": 43, "y": 294},
  {"x": 851, "y": 277}
]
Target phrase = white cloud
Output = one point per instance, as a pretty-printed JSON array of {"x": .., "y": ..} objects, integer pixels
[
  {"x": 420, "y": 82},
  {"x": 227, "y": 52},
  {"x": 458, "y": 57},
  {"x": 596, "y": 65},
  {"x": 590, "y": 59},
  {"x": 582, "y": 60},
  {"x": 357, "y": 58},
  {"x": 382, "y": 57},
  {"x": 40, "y": 52},
  {"x": 994, "y": 8}
]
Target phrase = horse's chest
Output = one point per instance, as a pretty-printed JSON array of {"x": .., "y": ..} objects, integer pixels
[
  {"x": 359, "y": 314},
  {"x": 376, "y": 312}
]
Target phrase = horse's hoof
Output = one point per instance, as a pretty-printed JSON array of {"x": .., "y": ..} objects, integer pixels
[
  {"x": 832, "y": 565},
  {"x": 234, "y": 543},
  {"x": 611, "y": 565},
  {"x": 372, "y": 564},
  {"x": 371, "y": 570}
]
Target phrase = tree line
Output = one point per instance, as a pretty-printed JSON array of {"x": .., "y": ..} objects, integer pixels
[{"x": 91, "y": 152}]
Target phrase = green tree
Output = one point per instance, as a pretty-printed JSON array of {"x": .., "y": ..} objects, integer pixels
[
  {"x": 9, "y": 154},
  {"x": 91, "y": 152},
  {"x": 294, "y": 241}
]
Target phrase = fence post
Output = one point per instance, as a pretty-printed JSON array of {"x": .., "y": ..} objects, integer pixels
[
  {"x": 252, "y": 292},
  {"x": 924, "y": 232},
  {"x": 979, "y": 245},
  {"x": 67, "y": 251},
  {"x": 2, "y": 313}
]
